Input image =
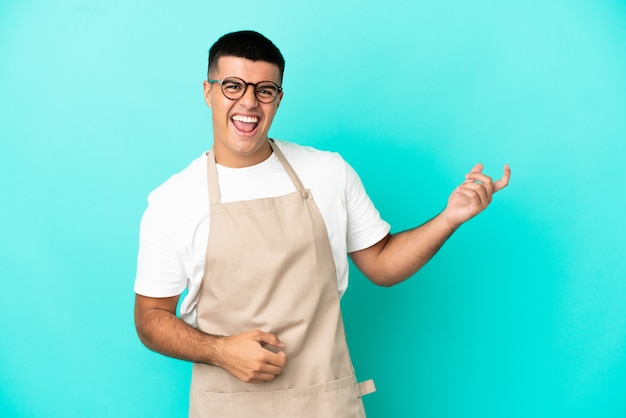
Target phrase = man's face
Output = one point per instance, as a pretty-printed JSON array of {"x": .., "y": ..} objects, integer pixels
[{"x": 240, "y": 126}]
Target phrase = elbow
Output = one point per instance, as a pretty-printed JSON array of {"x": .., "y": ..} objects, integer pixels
[
  {"x": 145, "y": 337},
  {"x": 142, "y": 328},
  {"x": 386, "y": 280},
  {"x": 141, "y": 334},
  {"x": 151, "y": 316},
  {"x": 383, "y": 283}
]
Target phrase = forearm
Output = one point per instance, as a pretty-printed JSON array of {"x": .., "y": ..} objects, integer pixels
[
  {"x": 243, "y": 355},
  {"x": 401, "y": 255},
  {"x": 163, "y": 332}
]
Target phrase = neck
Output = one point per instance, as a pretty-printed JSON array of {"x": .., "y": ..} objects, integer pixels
[{"x": 233, "y": 159}]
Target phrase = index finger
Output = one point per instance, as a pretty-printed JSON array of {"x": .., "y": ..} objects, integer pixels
[
  {"x": 271, "y": 339},
  {"x": 504, "y": 181}
]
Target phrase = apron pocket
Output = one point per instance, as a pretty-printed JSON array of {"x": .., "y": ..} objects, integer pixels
[{"x": 336, "y": 399}]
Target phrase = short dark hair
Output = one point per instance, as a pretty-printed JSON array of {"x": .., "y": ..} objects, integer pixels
[{"x": 246, "y": 44}]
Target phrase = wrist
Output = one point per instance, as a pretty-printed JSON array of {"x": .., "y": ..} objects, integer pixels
[
  {"x": 213, "y": 350},
  {"x": 448, "y": 223}
]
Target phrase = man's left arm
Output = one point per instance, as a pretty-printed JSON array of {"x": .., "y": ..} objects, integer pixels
[{"x": 397, "y": 257}]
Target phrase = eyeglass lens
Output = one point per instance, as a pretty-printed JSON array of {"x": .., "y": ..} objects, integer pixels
[{"x": 234, "y": 88}]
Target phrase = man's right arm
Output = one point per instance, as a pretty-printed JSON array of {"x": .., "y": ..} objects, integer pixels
[{"x": 241, "y": 355}]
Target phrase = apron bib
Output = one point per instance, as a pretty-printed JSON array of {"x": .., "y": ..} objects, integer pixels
[{"x": 269, "y": 266}]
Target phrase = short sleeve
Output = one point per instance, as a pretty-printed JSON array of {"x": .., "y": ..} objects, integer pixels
[
  {"x": 160, "y": 267},
  {"x": 365, "y": 225}
]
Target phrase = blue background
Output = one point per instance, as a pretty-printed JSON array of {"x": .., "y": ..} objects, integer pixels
[{"x": 521, "y": 314}]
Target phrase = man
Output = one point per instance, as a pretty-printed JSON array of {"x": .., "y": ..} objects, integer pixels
[{"x": 261, "y": 319}]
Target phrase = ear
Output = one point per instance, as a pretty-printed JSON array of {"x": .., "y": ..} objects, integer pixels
[{"x": 207, "y": 92}]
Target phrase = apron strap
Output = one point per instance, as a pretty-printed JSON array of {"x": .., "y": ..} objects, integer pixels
[
  {"x": 290, "y": 171},
  {"x": 214, "y": 188}
]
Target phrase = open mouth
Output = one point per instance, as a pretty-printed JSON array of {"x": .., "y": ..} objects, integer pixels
[{"x": 245, "y": 124}]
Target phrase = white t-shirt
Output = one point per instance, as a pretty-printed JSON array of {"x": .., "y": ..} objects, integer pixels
[{"x": 175, "y": 226}]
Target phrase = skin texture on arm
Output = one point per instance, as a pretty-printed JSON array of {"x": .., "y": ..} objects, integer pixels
[
  {"x": 397, "y": 257},
  {"x": 242, "y": 355}
]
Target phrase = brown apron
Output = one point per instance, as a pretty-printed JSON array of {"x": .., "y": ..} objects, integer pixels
[{"x": 269, "y": 266}]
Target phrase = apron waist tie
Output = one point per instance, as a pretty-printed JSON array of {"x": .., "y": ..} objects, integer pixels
[{"x": 365, "y": 388}]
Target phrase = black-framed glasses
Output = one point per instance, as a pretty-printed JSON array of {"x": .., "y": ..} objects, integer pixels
[{"x": 234, "y": 88}]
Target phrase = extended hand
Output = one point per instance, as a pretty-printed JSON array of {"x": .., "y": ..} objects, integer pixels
[
  {"x": 473, "y": 195},
  {"x": 244, "y": 356}
]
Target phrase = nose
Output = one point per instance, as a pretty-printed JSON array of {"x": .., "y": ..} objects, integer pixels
[{"x": 249, "y": 97}]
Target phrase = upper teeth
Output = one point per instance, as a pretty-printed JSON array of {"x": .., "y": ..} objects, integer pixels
[{"x": 247, "y": 119}]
